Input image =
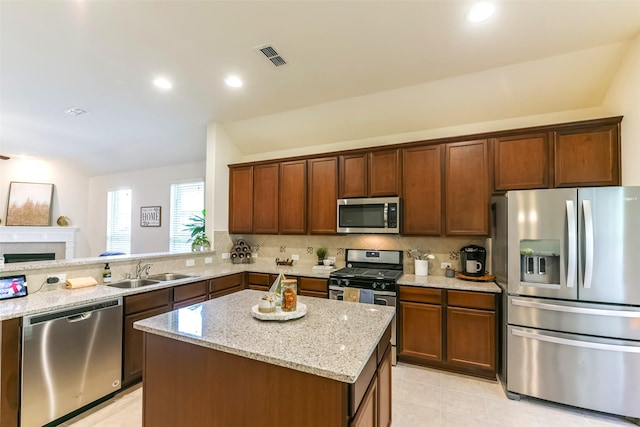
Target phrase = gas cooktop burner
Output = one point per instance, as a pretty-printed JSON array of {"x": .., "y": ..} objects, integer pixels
[{"x": 368, "y": 273}]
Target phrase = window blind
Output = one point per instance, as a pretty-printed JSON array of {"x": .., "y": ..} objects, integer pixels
[
  {"x": 119, "y": 221},
  {"x": 187, "y": 199}
]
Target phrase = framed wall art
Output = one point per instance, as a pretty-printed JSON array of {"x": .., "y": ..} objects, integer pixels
[
  {"x": 150, "y": 216},
  {"x": 29, "y": 204}
]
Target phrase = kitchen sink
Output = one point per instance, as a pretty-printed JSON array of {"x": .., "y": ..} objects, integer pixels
[
  {"x": 133, "y": 283},
  {"x": 166, "y": 277}
]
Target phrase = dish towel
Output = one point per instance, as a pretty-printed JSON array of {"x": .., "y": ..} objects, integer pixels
[
  {"x": 351, "y": 294},
  {"x": 366, "y": 296},
  {"x": 81, "y": 282}
]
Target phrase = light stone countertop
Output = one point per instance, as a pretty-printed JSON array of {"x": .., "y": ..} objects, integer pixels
[
  {"x": 448, "y": 283},
  {"x": 333, "y": 340},
  {"x": 61, "y": 298}
]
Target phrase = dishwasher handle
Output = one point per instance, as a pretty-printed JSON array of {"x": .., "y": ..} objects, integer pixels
[{"x": 80, "y": 317}]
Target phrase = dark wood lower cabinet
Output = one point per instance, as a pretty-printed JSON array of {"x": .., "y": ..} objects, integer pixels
[
  {"x": 458, "y": 333},
  {"x": 138, "y": 307},
  {"x": 254, "y": 393},
  {"x": 10, "y": 372}
]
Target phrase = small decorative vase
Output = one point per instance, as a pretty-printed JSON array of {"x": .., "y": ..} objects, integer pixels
[
  {"x": 320, "y": 261},
  {"x": 422, "y": 267},
  {"x": 200, "y": 246}
]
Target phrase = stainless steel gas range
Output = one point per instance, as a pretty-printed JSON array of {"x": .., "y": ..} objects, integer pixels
[{"x": 377, "y": 271}]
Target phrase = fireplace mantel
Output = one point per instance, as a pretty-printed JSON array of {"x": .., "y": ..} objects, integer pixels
[{"x": 18, "y": 234}]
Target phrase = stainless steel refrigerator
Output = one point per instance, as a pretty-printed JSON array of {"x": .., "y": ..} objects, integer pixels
[{"x": 569, "y": 263}]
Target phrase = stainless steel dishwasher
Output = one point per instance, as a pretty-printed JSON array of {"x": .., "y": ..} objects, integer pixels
[{"x": 70, "y": 358}]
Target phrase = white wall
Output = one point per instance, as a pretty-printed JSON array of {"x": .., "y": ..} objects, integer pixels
[
  {"x": 623, "y": 98},
  {"x": 150, "y": 187},
  {"x": 70, "y": 194}
]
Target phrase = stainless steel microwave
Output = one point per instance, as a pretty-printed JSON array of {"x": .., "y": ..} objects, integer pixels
[{"x": 380, "y": 215}]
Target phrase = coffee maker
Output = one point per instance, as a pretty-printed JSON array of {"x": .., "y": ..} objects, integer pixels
[{"x": 473, "y": 260}]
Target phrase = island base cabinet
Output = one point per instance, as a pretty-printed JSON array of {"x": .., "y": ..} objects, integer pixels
[
  {"x": 367, "y": 415},
  {"x": 189, "y": 385}
]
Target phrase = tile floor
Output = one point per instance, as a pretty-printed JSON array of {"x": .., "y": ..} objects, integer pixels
[{"x": 421, "y": 397}]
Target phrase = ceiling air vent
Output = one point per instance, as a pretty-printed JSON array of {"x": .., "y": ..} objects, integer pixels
[{"x": 270, "y": 53}]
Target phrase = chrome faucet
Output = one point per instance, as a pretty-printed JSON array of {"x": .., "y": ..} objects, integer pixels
[{"x": 140, "y": 269}]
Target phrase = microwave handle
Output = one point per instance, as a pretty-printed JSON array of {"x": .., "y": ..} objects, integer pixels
[{"x": 386, "y": 215}]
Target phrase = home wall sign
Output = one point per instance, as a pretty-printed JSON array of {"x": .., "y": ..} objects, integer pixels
[
  {"x": 150, "y": 216},
  {"x": 29, "y": 204}
]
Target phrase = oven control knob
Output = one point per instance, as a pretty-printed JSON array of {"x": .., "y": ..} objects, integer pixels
[
  {"x": 383, "y": 286},
  {"x": 346, "y": 282},
  {"x": 374, "y": 285}
]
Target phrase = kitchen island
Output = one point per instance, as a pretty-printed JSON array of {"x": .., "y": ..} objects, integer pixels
[{"x": 214, "y": 364}]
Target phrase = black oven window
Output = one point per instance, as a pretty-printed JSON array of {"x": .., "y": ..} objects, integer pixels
[{"x": 362, "y": 216}]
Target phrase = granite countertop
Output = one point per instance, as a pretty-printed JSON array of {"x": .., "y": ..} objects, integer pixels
[
  {"x": 448, "y": 283},
  {"x": 61, "y": 298},
  {"x": 333, "y": 340}
]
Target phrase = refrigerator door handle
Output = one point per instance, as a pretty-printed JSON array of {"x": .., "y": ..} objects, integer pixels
[
  {"x": 575, "y": 343},
  {"x": 588, "y": 240},
  {"x": 576, "y": 310},
  {"x": 573, "y": 244}
]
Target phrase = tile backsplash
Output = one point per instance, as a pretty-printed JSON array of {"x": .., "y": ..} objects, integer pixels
[{"x": 270, "y": 247}]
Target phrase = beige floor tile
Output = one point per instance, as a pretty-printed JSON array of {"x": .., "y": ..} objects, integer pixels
[
  {"x": 452, "y": 419},
  {"x": 422, "y": 375},
  {"x": 417, "y": 393},
  {"x": 465, "y": 383},
  {"x": 459, "y": 402},
  {"x": 407, "y": 414}
]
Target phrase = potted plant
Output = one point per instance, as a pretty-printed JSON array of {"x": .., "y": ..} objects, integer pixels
[
  {"x": 322, "y": 253},
  {"x": 199, "y": 240}
]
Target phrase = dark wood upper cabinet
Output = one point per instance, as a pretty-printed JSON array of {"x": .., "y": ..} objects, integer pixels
[
  {"x": 322, "y": 175},
  {"x": 373, "y": 174},
  {"x": 241, "y": 199},
  {"x": 521, "y": 162},
  {"x": 353, "y": 175},
  {"x": 384, "y": 173},
  {"x": 265, "y": 198},
  {"x": 587, "y": 156},
  {"x": 293, "y": 197},
  {"x": 467, "y": 188},
  {"x": 422, "y": 190}
]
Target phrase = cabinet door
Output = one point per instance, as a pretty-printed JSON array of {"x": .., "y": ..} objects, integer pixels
[
  {"x": 293, "y": 197},
  {"x": 384, "y": 390},
  {"x": 133, "y": 344},
  {"x": 226, "y": 282},
  {"x": 471, "y": 338},
  {"x": 323, "y": 195},
  {"x": 353, "y": 175},
  {"x": 587, "y": 157},
  {"x": 520, "y": 162},
  {"x": 467, "y": 188},
  {"x": 384, "y": 173},
  {"x": 241, "y": 200},
  {"x": 190, "y": 291},
  {"x": 259, "y": 281},
  {"x": 265, "y": 198},
  {"x": 421, "y": 331},
  {"x": 422, "y": 190},
  {"x": 367, "y": 415}
]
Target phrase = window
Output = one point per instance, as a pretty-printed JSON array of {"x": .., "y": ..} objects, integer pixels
[
  {"x": 187, "y": 199},
  {"x": 119, "y": 221}
]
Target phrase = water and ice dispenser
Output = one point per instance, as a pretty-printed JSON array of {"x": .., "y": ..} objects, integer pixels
[{"x": 540, "y": 261}]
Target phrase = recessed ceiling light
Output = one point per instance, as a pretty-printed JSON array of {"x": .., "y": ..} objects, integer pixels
[
  {"x": 233, "y": 81},
  {"x": 74, "y": 111},
  {"x": 162, "y": 83},
  {"x": 480, "y": 12}
]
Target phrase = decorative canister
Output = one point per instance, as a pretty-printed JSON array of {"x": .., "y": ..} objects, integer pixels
[{"x": 289, "y": 294}]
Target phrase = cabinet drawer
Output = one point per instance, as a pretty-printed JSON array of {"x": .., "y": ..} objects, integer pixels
[
  {"x": 226, "y": 292},
  {"x": 309, "y": 284},
  {"x": 479, "y": 300},
  {"x": 188, "y": 302},
  {"x": 192, "y": 290},
  {"x": 259, "y": 279},
  {"x": 147, "y": 301},
  {"x": 415, "y": 294},
  {"x": 226, "y": 282}
]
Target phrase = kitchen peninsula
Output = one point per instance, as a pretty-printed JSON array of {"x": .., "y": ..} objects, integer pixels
[{"x": 214, "y": 364}]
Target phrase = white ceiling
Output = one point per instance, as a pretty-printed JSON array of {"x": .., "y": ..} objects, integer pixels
[{"x": 357, "y": 69}]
